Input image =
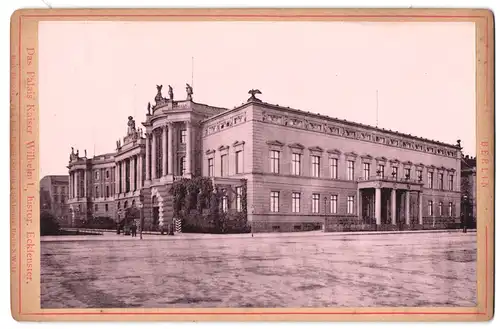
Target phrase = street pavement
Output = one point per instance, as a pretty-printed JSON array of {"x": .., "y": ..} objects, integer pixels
[{"x": 311, "y": 269}]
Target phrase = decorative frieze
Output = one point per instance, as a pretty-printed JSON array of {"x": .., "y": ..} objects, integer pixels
[
  {"x": 225, "y": 123},
  {"x": 354, "y": 133}
]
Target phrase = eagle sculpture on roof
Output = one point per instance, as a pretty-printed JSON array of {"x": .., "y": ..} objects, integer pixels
[{"x": 253, "y": 92}]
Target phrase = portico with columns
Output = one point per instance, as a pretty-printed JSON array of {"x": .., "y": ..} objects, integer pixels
[{"x": 390, "y": 201}]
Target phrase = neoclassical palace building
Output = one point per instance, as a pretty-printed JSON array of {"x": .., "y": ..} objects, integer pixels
[{"x": 303, "y": 170}]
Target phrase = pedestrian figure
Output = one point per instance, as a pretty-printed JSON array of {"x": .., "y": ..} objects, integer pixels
[{"x": 134, "y": 229}]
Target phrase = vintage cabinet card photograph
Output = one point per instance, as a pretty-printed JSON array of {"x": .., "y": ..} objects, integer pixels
[{"x": 252, "y": 165}]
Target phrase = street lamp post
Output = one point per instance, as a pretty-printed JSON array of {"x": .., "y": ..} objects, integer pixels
[
  {"x": 324, "y": 224},
  {"x": 141, "y": 212}
]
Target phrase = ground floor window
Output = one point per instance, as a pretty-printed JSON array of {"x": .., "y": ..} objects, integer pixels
[
  {"x": 333, "y": 204},
  {"x": 350, "y": 204},
  {"x": 295, "y": 202},
  {"x": 430, "y": 208},
  {"x": 315, "y": 203},
  {"x": 274, "y": 201},
  {"x": 238, "y": 198}
]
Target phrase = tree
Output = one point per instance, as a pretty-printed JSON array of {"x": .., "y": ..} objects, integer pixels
[{"x": 48, "y": 224}]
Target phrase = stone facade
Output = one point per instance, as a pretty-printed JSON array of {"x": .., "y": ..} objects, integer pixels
[
  {"x": 54, "y": 192},
  {"x": 304, "y": 171},
  {"x": 469, "y": 186}
]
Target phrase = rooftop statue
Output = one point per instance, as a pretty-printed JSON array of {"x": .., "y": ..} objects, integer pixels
[
  {"x": 189, "y": 92},
  {"x": 131, "y": 126},
  {"x": 253, "y": 92},
  {"x": 170, "y": 93},
  {"x": 85, "y": 152},
  {"x": 149, "y": 108},
  {"x": 159, "y": 97}
]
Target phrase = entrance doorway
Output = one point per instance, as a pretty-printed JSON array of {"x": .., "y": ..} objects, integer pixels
[{"x": 156, "y": 212}]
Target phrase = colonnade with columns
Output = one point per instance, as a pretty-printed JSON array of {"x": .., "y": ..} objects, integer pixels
[
  {"x": 394, "y": 205},
  {"x": 76, "y": 183},
  {"x": 129, "y": 174},
  {"x": 161, "y": 141}
]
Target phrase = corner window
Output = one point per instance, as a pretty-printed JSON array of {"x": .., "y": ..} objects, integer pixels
[
  {"x": 274, "y": 157},
  {"x": 211, "y": 167}
]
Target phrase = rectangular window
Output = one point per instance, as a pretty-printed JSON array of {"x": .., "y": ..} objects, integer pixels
[
  {"x": 419, "y": 175},
  {"x": 315, "y": 203},
  {"x": 295, "y": 202},
  {"x": 239, "y": 162},
  {"x": 224, "y": 203},
  {"x": 350, "y": 204},
  {"x": 440, "y": 208},
  {"x": 96, "y": 207},
  {"x": 106, "y": 207},
  {"x": 275, "y": 161},
  {"x": 381, "y": 171},
  {"x": 334, "y": 168},
  {"x": 407, "y": 173},
  {"x": 430, "y": 179},
  {"x": 450, "y": 209},
  {"x": 450, "y": 182},
  {"x": 223, "y": 165},
  {"x": 350, "y": 170},
  {"x": 97, "y": 174},
  {"x": 315, "y": 165},
  {"x": 183, "y": 136},
  {"x": 440, "y": 181},
  {"x": 238, "y": 198},
  {"x": 183, "y": 165},
  {"x": 394, "y": 172},
  {"x": 211, "y": 167},
  {"x": 97, "y": 191},
  {"x": 107, "y": 174},
  {"x": 275, "y": 201},
  {"x": 296, "y": 157},
  {"x": 430, "y": 209},
  {"x": 333, "y": 204},
  {"x": 366, "y": 171},
  {"x": 107, "y": 191}
]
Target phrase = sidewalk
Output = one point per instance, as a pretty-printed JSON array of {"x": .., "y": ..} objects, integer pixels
[{"x": 111, "y": 235}]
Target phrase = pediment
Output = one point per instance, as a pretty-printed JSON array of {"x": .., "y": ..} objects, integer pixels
[{"x": 275, "y": 143}]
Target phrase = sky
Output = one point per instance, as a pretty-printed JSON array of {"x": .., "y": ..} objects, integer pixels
[{"x": 93, "y": 75}]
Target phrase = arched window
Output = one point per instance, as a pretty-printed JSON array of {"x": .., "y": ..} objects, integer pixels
[
  {"x": 125, "y": 205},
  {"x": 133, "y": 203},
  {"x": 118, "y": 206}
]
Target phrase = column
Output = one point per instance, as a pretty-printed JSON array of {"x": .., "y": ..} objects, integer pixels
[
  {"x": 70, "y": 192},
  {"x": 420, "y": 217},
  {"x": 148, "y": 176},
  {"x": 132, "y": 173},
  {"x": 153, "y": 156},
  {"x": 164, "y": 150},
  {"x": 85, "y": 183},
  {"x": 117, "y": 177},
  {"x": 407, "y": 208},
  {"x": 170, "y": 156},
  {"x": 139, "y": 171},
  {"x": 124, "y": 176},
  {"x": 393, "y": 206},
  {"x": 359, "y": 206},
  {"x": 188, "y": 147},
  {"x": 78, "y": 183},
  {"x": 378, "y": 206}
]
